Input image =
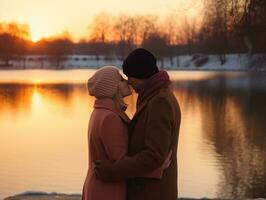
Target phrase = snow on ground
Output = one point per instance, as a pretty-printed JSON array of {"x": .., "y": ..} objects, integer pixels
[{"x": 235, "y": 62}]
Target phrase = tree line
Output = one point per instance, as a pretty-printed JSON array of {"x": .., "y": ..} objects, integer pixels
[{"x": 224, "y": 26}]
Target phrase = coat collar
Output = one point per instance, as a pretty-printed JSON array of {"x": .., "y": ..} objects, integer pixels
[
  {"x": 142, "y": 101},
  {"x": 110, "y": 104}
]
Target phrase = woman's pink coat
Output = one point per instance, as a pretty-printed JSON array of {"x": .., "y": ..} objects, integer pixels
[{"x": 108, "y": 140}]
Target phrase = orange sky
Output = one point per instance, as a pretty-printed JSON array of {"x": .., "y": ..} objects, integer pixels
[{"x": 52, "y": 17}]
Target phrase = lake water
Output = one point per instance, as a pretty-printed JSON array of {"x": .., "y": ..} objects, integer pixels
[{"x": 222, "y": 148}]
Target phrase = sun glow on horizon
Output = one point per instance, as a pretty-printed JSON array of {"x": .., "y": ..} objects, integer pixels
[
  {"x": 47, "y": 18},
  {"x": 38, "y": 31},
  {"x": 35, "y": 37}
]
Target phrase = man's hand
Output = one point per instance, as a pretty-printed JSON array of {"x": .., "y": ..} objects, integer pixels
[{"x": 103, "y": 170}]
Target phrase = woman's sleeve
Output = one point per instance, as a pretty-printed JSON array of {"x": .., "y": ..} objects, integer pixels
[{"x": 114, "y": 137}]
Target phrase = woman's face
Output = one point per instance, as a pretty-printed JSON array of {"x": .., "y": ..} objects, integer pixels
[{"x": 124, "y": 88}]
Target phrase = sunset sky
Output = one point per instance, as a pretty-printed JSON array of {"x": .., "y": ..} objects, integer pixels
[{"x": 53, "y": 17}]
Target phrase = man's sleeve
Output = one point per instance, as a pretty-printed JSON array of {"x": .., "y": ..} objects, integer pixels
[{"x": 157, "y": 143}]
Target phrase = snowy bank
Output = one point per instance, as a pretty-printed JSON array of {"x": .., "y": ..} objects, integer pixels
[{"x": 235, "y": 62}]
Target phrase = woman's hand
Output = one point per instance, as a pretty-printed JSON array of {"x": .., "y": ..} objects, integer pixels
[{"x": 103, "y": 170}]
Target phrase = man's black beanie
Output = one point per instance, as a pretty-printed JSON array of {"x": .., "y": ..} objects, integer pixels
[{"x": 140, "y": 64}]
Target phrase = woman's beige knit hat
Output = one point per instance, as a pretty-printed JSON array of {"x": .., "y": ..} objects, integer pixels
[{"x": 105, "y": 82}]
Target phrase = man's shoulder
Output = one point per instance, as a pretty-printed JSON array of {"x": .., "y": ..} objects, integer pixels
[
  {"x": 164, "y": 98},
  {"x": 164, "y": 94}
]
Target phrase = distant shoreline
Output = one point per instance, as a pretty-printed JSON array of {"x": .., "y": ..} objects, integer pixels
[
  {"x": 167, "y": 69},
  {"x": 195, "y": 62}
]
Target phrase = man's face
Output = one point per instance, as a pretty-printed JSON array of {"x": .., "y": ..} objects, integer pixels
[{"x": 133, "y": 82}]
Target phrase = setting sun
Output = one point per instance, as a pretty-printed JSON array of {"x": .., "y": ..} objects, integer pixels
[
  {"x": 39, "y": 30},
  {"x": 35, "y": 36}
]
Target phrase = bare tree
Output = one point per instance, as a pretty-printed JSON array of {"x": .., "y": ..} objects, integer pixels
[
  {"x": 124, "y": 29},
  {"x": 234, "y": 25},
  {"x": 215, "y": 27},
  {"x": 147, "y": 25},
  {"x": 253, "y": 24},
  {"x": 58, "y": 49},
  {"x": 170, "y": 26},
  {"x": 18, "y": 30},
  {"x": 187, "y": 33},
  {"x": 157, "y": 43},
  {"x": 13, "y": 41},
  {"x": 100, "y": 28},
  {"x": 7, "y": 48}
]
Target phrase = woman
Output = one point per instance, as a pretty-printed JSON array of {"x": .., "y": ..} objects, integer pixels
[{"x": 108, "y": 126}]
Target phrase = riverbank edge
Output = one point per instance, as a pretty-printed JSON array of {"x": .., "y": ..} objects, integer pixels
[{"x": 62, "y": 196}]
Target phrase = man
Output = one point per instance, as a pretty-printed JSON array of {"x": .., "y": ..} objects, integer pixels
[{"x": 153, "y": 133}]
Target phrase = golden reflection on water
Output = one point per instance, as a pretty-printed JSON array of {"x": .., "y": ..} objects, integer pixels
[
  {"x": 43, "y": 146},
  {"x": 36, "y": 98},
  {"x": 43, "y": 137}
]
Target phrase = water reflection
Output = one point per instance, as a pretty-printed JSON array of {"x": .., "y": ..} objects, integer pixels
[
  {"x": 14, "y": 98},
  {"x": 233, "y": 123},
  {"x": 222, "y": 148},
  {"x": 21, "y": 98},
  {"x": 42, "y": 137}
]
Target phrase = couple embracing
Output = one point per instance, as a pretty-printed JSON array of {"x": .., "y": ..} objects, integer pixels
[{"x": 132, "y": 159}]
